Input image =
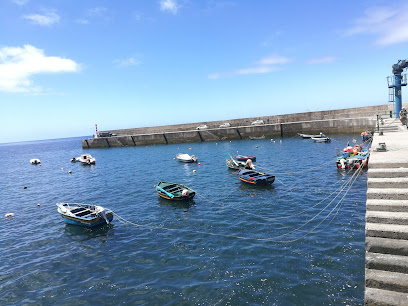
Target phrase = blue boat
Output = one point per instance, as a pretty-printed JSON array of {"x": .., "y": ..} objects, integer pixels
[
  {"x": 87, "y": 215},
  {"x": 256, "y": 178},
  {"x": 245, "y": 157}
]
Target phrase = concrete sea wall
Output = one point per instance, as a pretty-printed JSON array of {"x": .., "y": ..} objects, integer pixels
[{"x": 352, "y": 120}]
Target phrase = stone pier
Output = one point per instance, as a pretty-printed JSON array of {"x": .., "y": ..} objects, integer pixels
[{"x": 386, "y": 259}]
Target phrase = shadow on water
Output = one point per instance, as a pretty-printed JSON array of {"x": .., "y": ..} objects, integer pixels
[
  {"x": 176, "y": 204},
  {"x": 83, "y": 233}
]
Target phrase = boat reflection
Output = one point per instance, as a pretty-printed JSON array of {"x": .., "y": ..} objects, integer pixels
[
  {"x": 80, "y": 233},
  {"x": 176, "y": 204}
]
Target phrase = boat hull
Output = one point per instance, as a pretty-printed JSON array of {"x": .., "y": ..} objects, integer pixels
[
  {"x": 86, "y": 223},
  {"x": 245, "y": 158},
  {"x": 256, "y": 178},
  {"x": 174, "y": 191}
]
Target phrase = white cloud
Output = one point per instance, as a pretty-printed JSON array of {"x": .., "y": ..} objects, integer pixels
[
  {"x": 20, "y": 2},
  {"x": 257, "y": 70},
  {"x": 274, "y": 60},
  {"x": 322, "y": 60},
  {"x": 126, "y": 62},
  {"x": 169, "y": 6},
  {"x": 265, "y": 65},
  {"x": 388, "y": 24},
  {"x": 94, "y": 13},
  {"x": 45, "y": 19},
  {"x": 19, "y": 64}
]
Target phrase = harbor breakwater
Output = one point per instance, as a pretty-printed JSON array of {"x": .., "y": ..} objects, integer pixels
[{"x": 351, "y": 120}]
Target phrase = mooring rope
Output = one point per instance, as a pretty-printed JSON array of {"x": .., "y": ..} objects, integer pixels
[{"x": 349, "y": 183}]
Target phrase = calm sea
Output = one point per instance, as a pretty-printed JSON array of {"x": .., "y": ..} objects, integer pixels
[{"x": 297, "y": 242}]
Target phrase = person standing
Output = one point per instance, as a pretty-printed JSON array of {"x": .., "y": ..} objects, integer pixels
[{"x": 403, "y": 116}]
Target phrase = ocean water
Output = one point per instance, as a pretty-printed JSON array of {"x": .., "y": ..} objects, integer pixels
[{"x": 297, "y": 242}]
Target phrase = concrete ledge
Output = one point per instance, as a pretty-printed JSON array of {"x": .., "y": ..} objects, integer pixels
[
  {"x": 387, "y": 205},
  {"x": 385, "y": 217},
  {"x": 386, "y": 231},
  {"x": 386, "y": 172},
  {"x": 387, "y": 246},
  {"x": 392, "y": 281},
  {"x": 387, "y": 193},
  {"x": 399, "y": 182},
  {"x": 381, "y": 297},
  {"x": 387, "y": 262}
]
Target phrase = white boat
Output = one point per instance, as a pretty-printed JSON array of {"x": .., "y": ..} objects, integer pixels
[
  {"x": 185, "y": 158},
  {"x": 306, "y": 136},
  {"x": 85, "y": 159},
  {"x": 87, "y": 215},
  {"x": 321, "y": 139},
  {"x": 35, "y": 161}
]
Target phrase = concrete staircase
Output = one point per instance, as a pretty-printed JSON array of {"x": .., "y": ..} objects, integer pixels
[{"x": 386, "y": 264}]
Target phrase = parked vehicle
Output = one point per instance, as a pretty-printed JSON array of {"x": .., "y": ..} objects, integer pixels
[
  {"x": 225, "y": 125},
  {"x": 258, "y": 122},
  {"x": 202, "y": 127}
]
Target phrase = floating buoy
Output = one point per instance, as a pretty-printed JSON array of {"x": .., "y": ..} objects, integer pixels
[
  {"x": 154, "y": 186},
  {"x": 38, "y": 204},
  {"x": 189, "y": 148},
  {"x": 194, "y": 171},
  {"x": 199, "y": 164},
  {"x": 62, "y": 168},
  {"x": 25, "y": 187},
  {"x": 69, "y": 171},
  {"x": 9, "y": 215},
  {"x": 256, "y": 147},
  {"x": 174, "y": 159}
]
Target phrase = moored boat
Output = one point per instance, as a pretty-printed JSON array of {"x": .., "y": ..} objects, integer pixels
[
  {"x": 321, "y": 139},
  {"x": 186, "y": 158},
  {"x": 255, "y": 138},
  {"x": 87, "y": 215},
  {"x": 85, "y": 159},
  {"x": 35, "y": 161},
  {"x": 255, "y": 177},
  {"x": 174, "y": 191},
  {"x": 245, "y": 157},
  {"x": 235, "y": 164}
]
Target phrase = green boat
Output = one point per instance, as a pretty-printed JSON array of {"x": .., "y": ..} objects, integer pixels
[{"x": 174, "y": 191}]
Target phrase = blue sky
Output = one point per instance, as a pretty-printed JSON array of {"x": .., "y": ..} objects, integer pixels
[{"x": 66, "y": 65}]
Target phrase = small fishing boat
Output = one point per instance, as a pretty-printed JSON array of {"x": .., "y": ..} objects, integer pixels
[
  {"x": 355, "y": 162},
  {"x": 255, "y": 138},
  {"x": 321, "y": 139},
  {"x": 174, "y": 191},
  {"x": 234, "y": 164},
  {"x": 308, "y": 136},
  {"x": 87, "y": 215},
  {"x": 366, "y": 135},
  {"x": 35, "y": 161},
  {"x": 255, "y": 177},
  {"x": 245, "y": 157},
  {"x": 85, "y": 159},
  {"x": 185, "y": 158}
]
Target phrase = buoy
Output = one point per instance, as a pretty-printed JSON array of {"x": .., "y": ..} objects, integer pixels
[
  {"x": 189, "y": 148},
  {"x": 199, "y": 164},
  {"x": 256, "y": 147},
  {"x": 69, "y": 171},
  {"x": 173, "y": 158},
  {"x": 39, "y": 165},
  {"x": 25, "y": 187},
  {"x": 194, "y": 171},
  {"x": 154, "y": 186},
  {"x": 38, "y": 204},
  {"x": 9, "y": 215},
  {"x": 62, "y": 168}
]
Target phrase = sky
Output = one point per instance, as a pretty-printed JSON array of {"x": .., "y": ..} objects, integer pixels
[{"x": 68, "y": 65}]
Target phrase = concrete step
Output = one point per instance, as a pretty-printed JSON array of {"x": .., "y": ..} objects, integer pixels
[
  {"x": 387, "y": 262},
  {"x": 385, "y": 182},
  {"x": 385, "y": 217},
  {"x": 387, "y": 231},
  {"x": 387, "y": 205},
  {"x": 387, "y": 172},
  {"x": 386, "y": 246},
  {"x": 385, "y": 280},
  {"x": 387, "y": 193},
  {"x": 377, "y": 164},
  {"x": 381, "y": 297}
]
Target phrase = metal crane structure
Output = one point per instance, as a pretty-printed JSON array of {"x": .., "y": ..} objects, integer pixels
[{"x": 395, "y": 82}]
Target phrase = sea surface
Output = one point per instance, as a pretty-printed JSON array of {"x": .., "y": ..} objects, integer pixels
[{"x": 297, "y": 242}]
